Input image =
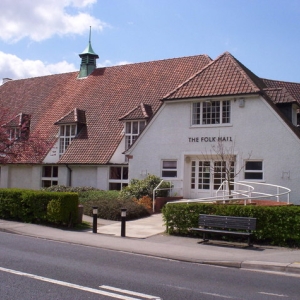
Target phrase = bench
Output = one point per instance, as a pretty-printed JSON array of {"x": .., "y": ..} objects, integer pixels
[{"x": 226, "y": 225}]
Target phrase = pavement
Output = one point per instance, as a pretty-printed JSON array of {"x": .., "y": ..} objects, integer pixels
[{"x": 147, "y": 237}]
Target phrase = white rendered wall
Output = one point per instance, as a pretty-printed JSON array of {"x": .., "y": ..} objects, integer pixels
[
  {"x": 21, "y": 177},
  {"x": 53, "y": 155},
  {"x": 255, "y": 128},
  {"x": 84, "y": 176}
]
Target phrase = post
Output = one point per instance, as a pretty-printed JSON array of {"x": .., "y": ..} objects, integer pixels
[
  {"x": 123, "y": 222},
  {"x": 95, "y": 216}
]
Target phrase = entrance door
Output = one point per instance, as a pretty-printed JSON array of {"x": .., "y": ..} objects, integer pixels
[{"x": 207, "y": 176}]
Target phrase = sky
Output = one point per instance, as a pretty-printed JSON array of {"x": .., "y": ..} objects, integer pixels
[{"x": 43, "y": 37}]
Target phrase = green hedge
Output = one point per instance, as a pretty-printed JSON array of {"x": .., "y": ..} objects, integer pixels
[
  {"x": 276, "y": 225},
  {"x": 39, "y": 206}
]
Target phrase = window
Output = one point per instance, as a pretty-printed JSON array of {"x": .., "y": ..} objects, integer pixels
[
  {"x": 254, "y": 170},
  {"x": 14, "y": 133},
  {"x": 211, "y": 112},
  {"x": 67, "y": 134},
  {"x": 169, "y": 168},
  {"x": 49, "y": 176},
  {"x": 221, "y": 170},
  {"x": 118, "y": 177},
  {"x": 132, "y": 131}
]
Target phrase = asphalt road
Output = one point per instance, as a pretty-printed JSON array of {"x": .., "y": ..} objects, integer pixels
[{"x": 32, "y": 268}]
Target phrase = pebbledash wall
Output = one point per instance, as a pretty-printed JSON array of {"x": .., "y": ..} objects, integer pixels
[{"x": 256, "y": 133}]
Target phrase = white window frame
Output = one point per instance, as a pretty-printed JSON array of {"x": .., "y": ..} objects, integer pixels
[
  {"x": 166, "y": 168},
  {"x": 211, "y": 113},
  {"x": 53, "y": 179},
  {"x": 66, "y": 134},
  {"x": 14, "y": 133},
  {"x": 132, "y": 130},
  {"x": 122, "y": 181},
  {"x": 253, "y": 171}
]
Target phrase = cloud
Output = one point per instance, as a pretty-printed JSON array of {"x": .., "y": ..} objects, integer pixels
[
  {"x": 109, "y": 63},
  {"x": 39, "y": 20},
  {"x": 13, "y": 67}
]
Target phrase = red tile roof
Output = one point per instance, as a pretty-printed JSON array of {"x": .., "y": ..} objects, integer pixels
[
  {"x": 223, "y": 76},
  {"x": 105, "y": 96},
  {"x": 293, "y": 88},
  {"x": 280, "y": 95}
]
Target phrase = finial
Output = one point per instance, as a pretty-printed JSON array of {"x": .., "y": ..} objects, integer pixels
[{"x": 90, "y": 34}]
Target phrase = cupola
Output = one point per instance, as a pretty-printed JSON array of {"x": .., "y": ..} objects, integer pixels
[{"x": 88, "y": 60}]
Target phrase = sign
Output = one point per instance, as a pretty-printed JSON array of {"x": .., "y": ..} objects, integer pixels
[{"x": 210, "y": 139}]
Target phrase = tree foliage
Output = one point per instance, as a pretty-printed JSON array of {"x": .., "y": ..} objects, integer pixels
[{"x": 17, "y": 143}]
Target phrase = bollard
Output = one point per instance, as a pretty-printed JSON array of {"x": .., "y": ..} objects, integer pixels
[
  {"x": 95, "y": 216},
  {"x": 123, "y": 222}
]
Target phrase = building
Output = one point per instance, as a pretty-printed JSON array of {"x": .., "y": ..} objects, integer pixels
[{"x": 105, "y": 126}]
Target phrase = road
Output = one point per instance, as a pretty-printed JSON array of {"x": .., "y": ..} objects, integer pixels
[{"x": 33, "y": 268}]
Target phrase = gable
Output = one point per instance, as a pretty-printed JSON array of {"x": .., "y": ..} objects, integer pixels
[{"x": 223, "y": 77}]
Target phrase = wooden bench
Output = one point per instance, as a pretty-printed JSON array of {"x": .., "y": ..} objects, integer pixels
[{"x": 226, "y": 225}]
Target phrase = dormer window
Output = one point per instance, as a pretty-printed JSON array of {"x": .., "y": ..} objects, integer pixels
[
  {"x": 66, "y": 134},
  {"x": 18, "y": 127},
  {"x": 135, "y": 122},
  {"x": 69, "y": 125},
  {"x": 132, "y": 131}
]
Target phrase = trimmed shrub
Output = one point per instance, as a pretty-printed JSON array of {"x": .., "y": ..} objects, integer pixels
[
  {"x": 33, "y": 206},
  {"x": 276, "y": 225}
]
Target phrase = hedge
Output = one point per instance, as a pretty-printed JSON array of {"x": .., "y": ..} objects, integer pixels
[
  {"x": 39, "y": 206},
  {"x": 276, "y": 225}
]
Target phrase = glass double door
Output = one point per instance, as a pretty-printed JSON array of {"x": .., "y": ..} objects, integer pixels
[{"x": 207, "y": 176}]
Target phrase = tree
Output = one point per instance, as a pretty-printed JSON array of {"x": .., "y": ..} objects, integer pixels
[
  {"x": 17, "y": 144},
  {"x": 225, "y": 165}
]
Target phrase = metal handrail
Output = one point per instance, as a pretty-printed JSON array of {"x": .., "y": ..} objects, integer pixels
[{"x": 246, "y": 195}]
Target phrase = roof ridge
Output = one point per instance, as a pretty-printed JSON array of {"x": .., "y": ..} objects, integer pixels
[
  {"x": 283, "y": 81},
  {"x": 158, "y": 60}
]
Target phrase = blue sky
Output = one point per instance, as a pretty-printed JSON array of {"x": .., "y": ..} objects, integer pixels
[{"x": 40, "y": 37}]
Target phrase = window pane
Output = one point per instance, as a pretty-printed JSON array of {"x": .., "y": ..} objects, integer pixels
[
  {"x": 135, "y": 127},
  {"x": 253, "y": 165},
  {"x": 55, "y": 172},
  {"x": 115, "y": 186},
  {"x": 73, "y": 130},
  {"x": 142, "y": 125},
  {"x": 46, "y": 183},
  {"x": 125, "y": 173},
  {"x": 47, "y": 171},
  {"x": 115, "y": 173},
  {"x": 254, "y": 175},
  {"x": 170, "y": 164},
  {"x": 128, "y": 127},
  {"x": 169, "y": 173},
  {"x": 196, "y": 113},
  {"x": 67, "y": 130},
  {"x": 62, "y": 130}
]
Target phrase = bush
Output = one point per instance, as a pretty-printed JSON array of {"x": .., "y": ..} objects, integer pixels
[
  {"x": 109, "y": 205},
  {"x": 144, "y": 187},
  {"x": 33, "y": 206},
  {"x": 146, "y": 201},
  {"x": 276, "y": 225},
  {"x": 63, "y": 188}
]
